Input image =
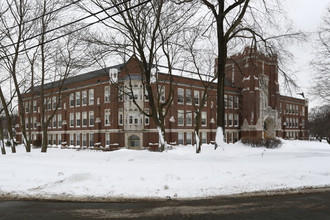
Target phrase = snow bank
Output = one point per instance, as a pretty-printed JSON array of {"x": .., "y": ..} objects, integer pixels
[{"x": 178, "y": 173}]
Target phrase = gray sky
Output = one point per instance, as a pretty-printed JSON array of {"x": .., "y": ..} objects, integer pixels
[{"x": 307, "y": 17}]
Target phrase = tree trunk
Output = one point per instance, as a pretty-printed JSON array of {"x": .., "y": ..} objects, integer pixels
[
  {"x": 44, "y": 140},
  {"x": 9, "y": 122},
  {"x": 197, "y": 126},
  {"x": 2, "y": 143}
]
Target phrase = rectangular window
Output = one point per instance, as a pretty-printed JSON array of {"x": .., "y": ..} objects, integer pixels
[
  {"x": 236, "y": 120},
  {"x": 91, "y": 140},
  {"x": 35, "y": 106},
  {"x": 303, "y": 123},
  {"x": 35, "y": 122},
  {"x": 303, "y": 111},
  {"x": 60, "y": 102},
  {"x": 78, "y": 121},
  {"x": 290, "y": 110},
  {"x": 49, "y": 104},
  {"x": 120, "y": 116},
  {"x": 230, "y": 101},
  {"x": 204, "y": 138},
  {"x": 188, "y": 138},
  {"x": 49, "y": 139},
  {"x": 236, "y": 102},
  {"x": 287, "y": 108},
  {"x": 84, "y": 97},
  {"x": 180, "y": 138},
  {"x": 236, "y": 137},
  {"x": 54, "y": 102},
  {"x": 180, "y": 117},
  {"x": 59, "y": 139},
  {"x": 107, "y": 117},
  {"x": 120, "y": 93},
  {"x": 230, "y": 120},
  {"x": 230, "y": 137},
  {"x": 91, "y": 118},
  {"x": 180, "y": 96},
  {"x": 54, "y": 139},
  {"x": 188, "y": 97},
  {"x": 225, "y": 119},
  {"x": 71, "y": 119},
  {"x": 77, "y": 98},
  {"x": 107, "y": 94},
  {"x": 91, "y": 96},
  {"x": 54, "y": 121},
  {"x": 225, "y": 100},
  {"x": 84, "y": 119},
  {"x": 204, "y": 118},
  {"x": 196, "y": 97},
  {"x": 71, "y": 139},
  {"x": 297, "y": 111},
  {"x": 188, "y": 118},
  {"x": 71, "y": 100},
  {"x": 107, "y": 139},
  {"x": 297, "y": 124},
  {"x": 130, "y": 120},
  {"x": 77, "y": 139},
  {"x": 84, "y": 140},
  {"x": 59, "y": 120},
  {"x": 161, "y": 90},
  {"x": 26, "y": 123},
  {"x": 147, "y": 117}
]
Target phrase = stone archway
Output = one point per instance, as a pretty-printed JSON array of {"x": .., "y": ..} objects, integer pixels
[
  {"x": 269, "y": 128},
  {"x": 134, "y": 141}
]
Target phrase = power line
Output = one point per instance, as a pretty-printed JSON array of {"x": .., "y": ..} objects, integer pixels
[
  {"x": 58, "y": 9},
  {"x": 81, "y": 28},
  {"x": 67, "y": 24}
]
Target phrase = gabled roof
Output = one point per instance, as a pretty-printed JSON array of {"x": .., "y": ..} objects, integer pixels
[{"x": 82, "y": 77}]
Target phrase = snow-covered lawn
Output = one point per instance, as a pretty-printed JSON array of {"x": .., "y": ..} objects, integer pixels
[{"x": 178, "y": 173}]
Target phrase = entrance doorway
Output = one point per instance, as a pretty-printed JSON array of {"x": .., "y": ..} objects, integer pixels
[
  {"x": 269, "y": 128},
  {"x": 134, "y": 141}
]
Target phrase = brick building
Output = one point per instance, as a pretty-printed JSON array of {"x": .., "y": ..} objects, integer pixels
[{"x": 94, "y": 112}]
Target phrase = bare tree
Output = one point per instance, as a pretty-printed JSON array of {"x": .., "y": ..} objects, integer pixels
[
  {"x": 319, "y": 122},
  {"x": 149, "y": 30},
  {"x": 14, "y": 30},
  {"x": 235, "y": 22},
  {"x": 321, "y": 62}
]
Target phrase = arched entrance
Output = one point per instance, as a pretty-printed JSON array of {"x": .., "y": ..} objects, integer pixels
[
  {"x": 134, "y": 141},
  {"x": 269, "y": 128}
]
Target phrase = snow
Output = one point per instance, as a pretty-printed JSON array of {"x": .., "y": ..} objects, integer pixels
[
  {"x": 219, "y": 137},
  {"x": 177, "y": 173}
]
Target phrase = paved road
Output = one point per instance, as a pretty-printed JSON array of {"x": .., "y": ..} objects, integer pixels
[{"x": 294, "y": 206}]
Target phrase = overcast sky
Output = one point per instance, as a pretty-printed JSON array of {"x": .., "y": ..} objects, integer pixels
[{"x": 307, "y": 17}]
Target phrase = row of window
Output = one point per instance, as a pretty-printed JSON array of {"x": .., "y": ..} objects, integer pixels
[
  {"x": 86, "y": 96},
  {"x": 295, "y": 135},
  {"x": 80, "y": 118},
  {"x": 231, "y": 101},
  {"x": 294, "y": 123},
  {"x": 293, "y": 109},
  {"x": 182, "y": 136}
]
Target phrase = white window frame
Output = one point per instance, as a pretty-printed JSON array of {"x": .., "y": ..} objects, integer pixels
[
  {"x": 180, "y": 94},
  {"x": 91, "y": 97},
  {"x": 188, "y": 138},
  {"x": 107, "y": 117},
  {"x": 107, "y": 94},
  {"x": 180, "y": 138},
  {"x": 72, "y": 121},
  {"x": 196, "y": 97},
  {"x": 78, "y": 142},
  {"x": 188, "y": 96},
  {"x": 84, "y": 119},
  {"x": 107, "y": 139},
  {"x": 91, "y": 119},
  {"x": 71, "y": 100},
  {"x": 54, "y": 102},
  {"x": 84, "y": 98},
  {"x": 120, "y": 117},
  {"x": 180, "y": 117},
  {"x": 204, "y": 119},
  {"x": 91, "y": 140},
  {"x": 230, "y": 120},
  {"x": 84, "y": 140},
  {"x": 236, "y": 120},
  {"x": 188, "y": 116},
  {"x": 78, "y": 119},
  {"x": 230, "y": 102},
  {"x": 236, "y": 102},
  {"x": 71, "y": 139},
  {"x": 78, "y": 100},
  {"x": 204, "y": 137}
]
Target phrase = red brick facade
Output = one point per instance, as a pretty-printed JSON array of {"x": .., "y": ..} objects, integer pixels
[{"x": 94, "y": 112}]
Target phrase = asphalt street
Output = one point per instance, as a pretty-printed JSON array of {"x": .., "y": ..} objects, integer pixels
[{"x": 314, "y": 205}]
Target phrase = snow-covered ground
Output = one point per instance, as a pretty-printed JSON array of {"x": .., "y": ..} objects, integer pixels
[{"x": 178, "y": 173}]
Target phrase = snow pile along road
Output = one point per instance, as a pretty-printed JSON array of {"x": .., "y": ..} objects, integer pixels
[{"x": 177, "y": 173}]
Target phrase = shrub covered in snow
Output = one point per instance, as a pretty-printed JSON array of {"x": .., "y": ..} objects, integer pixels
[{"x": 262, "y": 142}]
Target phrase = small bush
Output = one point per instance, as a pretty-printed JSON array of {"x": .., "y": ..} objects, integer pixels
[
  {"x": 36, "y": 143},
  {"x": 262, "y": 142},
  {"x": 8, "y": 144}
]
